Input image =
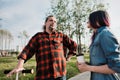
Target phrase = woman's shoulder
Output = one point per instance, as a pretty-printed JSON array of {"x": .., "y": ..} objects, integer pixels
[{"x": 106, "y": 32}]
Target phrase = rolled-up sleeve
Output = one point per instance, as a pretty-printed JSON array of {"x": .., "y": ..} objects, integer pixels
[
  {"x": 29, "y": 49},
  {"x": 111, "y": 48},
  {"x": 70, "y": 44}
]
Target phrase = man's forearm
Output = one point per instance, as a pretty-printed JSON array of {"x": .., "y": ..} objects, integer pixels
[{"x": 20, "y": 63}]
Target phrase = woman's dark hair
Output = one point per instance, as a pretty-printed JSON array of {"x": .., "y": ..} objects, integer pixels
[
  {"x": 44, "y": 27},
  {"x": 99, "y": 18}
]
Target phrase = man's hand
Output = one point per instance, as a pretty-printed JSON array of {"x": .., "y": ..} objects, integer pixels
[
  {"x": 14, "y": 71},
  {"x": 18, "y": 68},
  {"x": 69, "y": 57}
]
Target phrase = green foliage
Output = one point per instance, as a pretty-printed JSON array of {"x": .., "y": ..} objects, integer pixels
[
  {"x": 73, "y": 15},
  {"x": 72, "y": 68},
  {"x": 14, "y": 52},
  {"x": 60, "y": 8}
]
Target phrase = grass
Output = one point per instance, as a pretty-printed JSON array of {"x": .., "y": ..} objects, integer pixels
[
  {"x": 71, "y": 68},
  {"x": 11, "y": 62}
]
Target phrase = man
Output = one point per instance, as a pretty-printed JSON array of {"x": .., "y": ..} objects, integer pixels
[{"x": 48, "y": 49}]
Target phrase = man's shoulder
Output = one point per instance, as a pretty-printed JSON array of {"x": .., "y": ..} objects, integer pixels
[
  {"x": 38, "y": 34},
  {"x": 59, "y": 32}
]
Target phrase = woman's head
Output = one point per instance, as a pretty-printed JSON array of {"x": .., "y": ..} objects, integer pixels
[{"x": 98, "y": 19}]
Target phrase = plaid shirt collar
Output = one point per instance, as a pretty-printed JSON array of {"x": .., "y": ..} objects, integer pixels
[{"x": 54, "y": 32}]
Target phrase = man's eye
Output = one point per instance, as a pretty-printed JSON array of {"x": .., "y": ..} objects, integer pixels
[{"x": 51, "y": 20}]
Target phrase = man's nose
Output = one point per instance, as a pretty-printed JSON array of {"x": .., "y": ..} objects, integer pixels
[{"x": 53, "y": 23}]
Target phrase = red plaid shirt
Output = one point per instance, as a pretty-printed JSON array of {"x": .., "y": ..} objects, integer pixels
[{"x": 49, "y": 53}]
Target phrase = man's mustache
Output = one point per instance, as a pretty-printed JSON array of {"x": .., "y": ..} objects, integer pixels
[{"x": 51, "y": 28}]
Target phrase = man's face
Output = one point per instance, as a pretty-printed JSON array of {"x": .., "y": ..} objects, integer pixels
[{"x": 51, "y": 23}]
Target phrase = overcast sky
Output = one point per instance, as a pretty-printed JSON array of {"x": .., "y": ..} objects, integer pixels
[
  {"x": 29, "y": 15},
  {"x": 19, "y": 15},
  {"x": 114, "y": 12}
]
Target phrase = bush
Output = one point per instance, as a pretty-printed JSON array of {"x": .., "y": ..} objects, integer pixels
[{"x": 14, "y": 52}]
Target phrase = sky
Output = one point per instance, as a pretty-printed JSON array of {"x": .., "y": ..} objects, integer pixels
[
  {"x": 19, "y": 15},
  {"x": 29, "y": 15},
  {"x": 114, "y": 12}
]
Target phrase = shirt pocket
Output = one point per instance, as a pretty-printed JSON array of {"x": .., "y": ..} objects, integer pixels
[
  {"x": 95, "y": 48},
  {"x": 57, "y": 44},
  {"x": 97, "y": 54},
  {"x": 97, "y": 51}
]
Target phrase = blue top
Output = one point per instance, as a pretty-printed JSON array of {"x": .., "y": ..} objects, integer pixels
[{"x": 105, "y": 49}]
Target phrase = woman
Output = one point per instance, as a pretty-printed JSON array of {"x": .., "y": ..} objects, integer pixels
[{"x": 104, "y": 49}]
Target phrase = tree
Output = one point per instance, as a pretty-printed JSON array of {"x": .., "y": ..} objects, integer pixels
[
  {"x": 23, "y": 36},
  {"x": 5, "y": 41},
  {"x": 8, "y": 38},
  {"x": 81, "y": 10},
  {"x": 60, "y": 9},
  {"x": 0, "y": 22},
  {"x": 72, "y": 16},
  {"x": 5, "y": 38}
]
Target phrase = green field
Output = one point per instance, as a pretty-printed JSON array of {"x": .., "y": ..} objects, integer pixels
[{"x": 11, "y": 62}]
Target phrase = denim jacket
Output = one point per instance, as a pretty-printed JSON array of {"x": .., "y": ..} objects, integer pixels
[{"x": 105, "y": 49}]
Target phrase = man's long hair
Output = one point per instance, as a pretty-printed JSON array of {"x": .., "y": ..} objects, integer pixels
[{"x": 44, "y": 27}]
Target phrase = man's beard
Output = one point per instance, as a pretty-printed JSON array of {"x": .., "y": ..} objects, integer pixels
[{"x": 51, "y": 28}]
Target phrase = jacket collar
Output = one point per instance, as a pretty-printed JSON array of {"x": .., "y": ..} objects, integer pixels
[
  {"x": 101, "y": 29},
  {"x": 54, "y": 32}
]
